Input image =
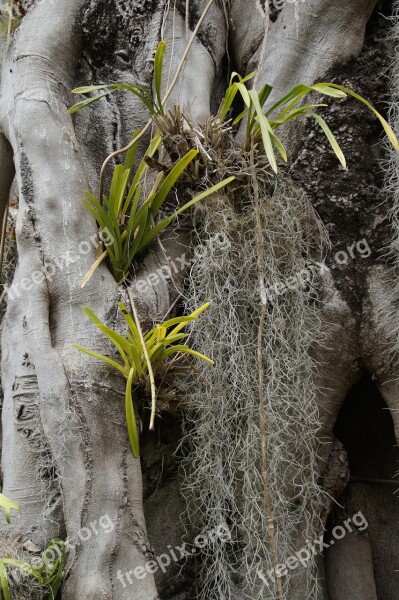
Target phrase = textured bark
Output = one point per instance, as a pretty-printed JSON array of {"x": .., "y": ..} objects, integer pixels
[
  {"x": 347, "y": 579},
  {"x": 41, "y": 371}
]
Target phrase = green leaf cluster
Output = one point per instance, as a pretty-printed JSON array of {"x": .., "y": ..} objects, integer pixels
[
  {"x": 131, "y": 220},
  {"x": 262, "y": 124},
  {"x": 161, "y": 342}
]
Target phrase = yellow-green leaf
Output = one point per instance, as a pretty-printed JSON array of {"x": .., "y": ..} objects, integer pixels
[
  {"x": 131, "y": 417},
  {"x": 331, "y": 138},
  {"x": 7, "y": 505}
]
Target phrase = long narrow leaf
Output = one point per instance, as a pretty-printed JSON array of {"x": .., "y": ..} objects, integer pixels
[
  {"x": 331, "y": 138},
  {"x": 265, "y": 130},
  {"x": 87, "y": 89},
  {"x": 91, "y": 315},
  {"x": 299, "y": 91},
  {"x": 152, "y": 148},
  {"x": 102, "y": 213},
  {"x": 171, "y": 179},
  {"x": 130, "y": 321},
  {"x": 120, "y": 343},
  {"x": 184, "y": 349},
  {"x": 142, "y": 92},
  {"x": 172, "y": 339},
  {"x": 264, "y": 93},
  {"x": 133, "y": 247},
  {"x": 158, "y": 67},
  {"x": 131, "y": 417},
  {"x": 205, "y": 194},
  {"x": 177, "y": 320},
  {"x": 162, "y": 225},
  {"x": 293, "y": 114},
  {"x": 105, "y": 359},
  {"x": 194, "y": 314},
  {"x": 87, "y": 102},
  {"x": 227, "y": 102},
  {"x": 8, "y": 505},
  {"x": 132, "y": 152},
  {"x": 23, "y": 566},
  {"x": 93, "y": 268},
  {"x": 244, "y": 94},
  {"x": 4, "y": 589},
  {"x": 387, "y": 128},
  {"x": 133, "y": 211}
]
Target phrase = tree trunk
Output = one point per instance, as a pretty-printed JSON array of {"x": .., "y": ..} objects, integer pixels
[{"x": 65, "y": 457}]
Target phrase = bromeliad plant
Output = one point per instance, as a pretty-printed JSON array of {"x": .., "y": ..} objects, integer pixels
[
  {"x": 144, "y": 356},
  {"x": 262, "y": 124},
  {"x": 131, "y": 222}
]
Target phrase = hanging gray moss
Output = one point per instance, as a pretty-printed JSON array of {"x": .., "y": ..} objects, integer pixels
[
  {"x": 392, "y": 165},
  {"x": 223, "y": 482}
]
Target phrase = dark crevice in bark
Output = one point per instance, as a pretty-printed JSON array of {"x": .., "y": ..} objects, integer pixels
[
  {"x": 365, "y": 428},
  {"x": 160, "y": 452}
]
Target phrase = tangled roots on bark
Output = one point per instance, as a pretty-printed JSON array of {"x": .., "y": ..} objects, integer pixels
[
  {"x": 22, "y": 585},
  {"x": 223, "y": 481}
]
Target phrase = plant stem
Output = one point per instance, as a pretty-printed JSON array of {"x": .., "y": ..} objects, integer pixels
[
  {"x": 263, "y": 423},
  {"x": 3, "y": 236},
  {"x": 10, "y": 18},
  {"x": 147, "y": 360},
  {"x": 263, "y": 47}
]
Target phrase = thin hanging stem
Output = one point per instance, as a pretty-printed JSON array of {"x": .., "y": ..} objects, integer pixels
[
  {"x": 147, "y": 360},
  {"x": 263, "y": 422},
  {"x": 3, "y": 236},
  {"x": 263, "y": 47},
  {"x": 10, "y": 18}
]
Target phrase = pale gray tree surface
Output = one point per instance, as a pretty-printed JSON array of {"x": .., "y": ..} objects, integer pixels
[{"x": 65, "y": 454}]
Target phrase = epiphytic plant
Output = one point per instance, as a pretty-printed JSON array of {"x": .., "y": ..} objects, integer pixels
[
  {"x": 262, "y": 124},
  {"x": 144, "y": 356},
  {"x": 133, "y": 221}
]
